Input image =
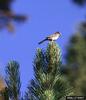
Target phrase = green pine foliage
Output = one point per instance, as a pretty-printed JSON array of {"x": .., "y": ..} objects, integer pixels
[
  {"x": 48, "y": 83},
  {"x": 13, "y": 80},
  {"x": 76, "y": 61}
]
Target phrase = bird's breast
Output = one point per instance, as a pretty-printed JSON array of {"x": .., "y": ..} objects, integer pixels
[{"x": 55, "y": 37}]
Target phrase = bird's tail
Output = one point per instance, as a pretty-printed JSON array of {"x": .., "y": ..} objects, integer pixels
[{"x": 42, "y": 41}]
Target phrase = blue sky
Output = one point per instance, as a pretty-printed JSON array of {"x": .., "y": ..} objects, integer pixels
[{"x": 45, "y": 17}]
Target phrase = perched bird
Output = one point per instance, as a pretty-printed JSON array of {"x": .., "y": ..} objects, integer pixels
[
  {"x": 7, "y": 15},
  {"x": 52, "y": 37}
]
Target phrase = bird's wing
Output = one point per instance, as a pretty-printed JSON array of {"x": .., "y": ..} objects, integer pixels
[{"x": 50, "y": 36}]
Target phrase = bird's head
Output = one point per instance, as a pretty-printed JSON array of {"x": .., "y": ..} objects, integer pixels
[{"x": 58, "y": 33}]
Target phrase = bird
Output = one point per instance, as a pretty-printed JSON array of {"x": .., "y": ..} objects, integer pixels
[{"x": 51, "y": 37}]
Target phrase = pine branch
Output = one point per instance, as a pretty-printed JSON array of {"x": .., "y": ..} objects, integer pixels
[
  {"x": 13, "y": 80},
  {"x": 48, "y": 83}
]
